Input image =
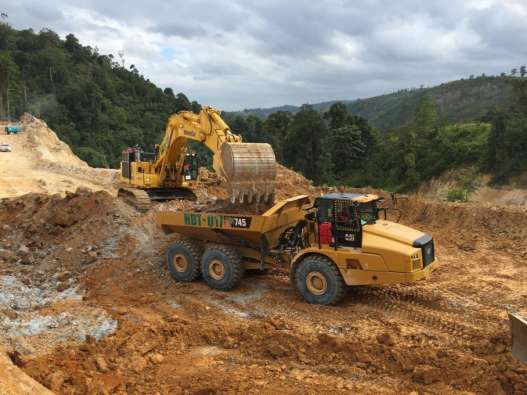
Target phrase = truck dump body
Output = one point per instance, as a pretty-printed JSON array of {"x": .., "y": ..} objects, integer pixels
[{"x": 237, "y": 229}]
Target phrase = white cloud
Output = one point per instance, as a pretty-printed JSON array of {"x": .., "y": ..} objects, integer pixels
[{"x": 241, "y": 54}]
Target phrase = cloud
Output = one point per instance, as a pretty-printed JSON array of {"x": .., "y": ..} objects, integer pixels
[{"x": 237, "y": 54}]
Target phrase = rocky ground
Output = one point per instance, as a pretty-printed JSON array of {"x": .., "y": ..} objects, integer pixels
[{"x": 88, "y": 307}]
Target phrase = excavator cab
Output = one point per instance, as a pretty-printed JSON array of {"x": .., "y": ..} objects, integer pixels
[
  {"x": 145, "y": 160},
  {"x": 191, "y": 167}
]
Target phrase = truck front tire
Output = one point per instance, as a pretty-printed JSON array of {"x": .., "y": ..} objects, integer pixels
[
  {"x": 183, "y": 258},
  {"x": 319, "y": 281},
  {"x": 221, "y": 267}
]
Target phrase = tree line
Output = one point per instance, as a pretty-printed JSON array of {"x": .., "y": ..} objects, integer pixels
[
  {"x": 99, "y": 106},
  {"x": 337, "y": 147}
]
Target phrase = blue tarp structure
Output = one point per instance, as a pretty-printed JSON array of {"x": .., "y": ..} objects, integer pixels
[{"x": 10, "y": 129}]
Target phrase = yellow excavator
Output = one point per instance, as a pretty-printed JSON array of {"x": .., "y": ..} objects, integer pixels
[{"x": 247, "y": 169}]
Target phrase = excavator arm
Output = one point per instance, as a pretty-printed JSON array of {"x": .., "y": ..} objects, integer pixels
[{"x": 249, "y": 169}]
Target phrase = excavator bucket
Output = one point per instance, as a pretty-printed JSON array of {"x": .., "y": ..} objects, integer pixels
[
  {"x": 519, "y": 336},
  {"x": 250, "y": 171}
]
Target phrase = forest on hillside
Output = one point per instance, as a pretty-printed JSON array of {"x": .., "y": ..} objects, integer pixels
[
  {"x": 99, "y": 107},
  {"x": 462, "y": 100},
  {"x": 338, "y": 147},
  {"x": 94, "y": 103}
]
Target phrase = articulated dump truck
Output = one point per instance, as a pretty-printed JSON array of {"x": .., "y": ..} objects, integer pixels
[{"x": 338, "y": 240}]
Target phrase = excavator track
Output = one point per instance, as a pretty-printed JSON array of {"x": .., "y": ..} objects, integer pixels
[
  {"x": 136, "y": 198},
  {"x": 142, "y": 199}
]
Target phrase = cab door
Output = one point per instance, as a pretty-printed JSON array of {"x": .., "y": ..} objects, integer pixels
[{"x": 347, "y": 225}]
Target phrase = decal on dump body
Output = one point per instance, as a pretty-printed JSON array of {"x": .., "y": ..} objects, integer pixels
[{"x": 217, "y": 221}]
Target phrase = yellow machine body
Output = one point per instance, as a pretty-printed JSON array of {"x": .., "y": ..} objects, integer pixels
[
  {"x": 248, "y": 169},
  {"x": 389, "y": 252}
]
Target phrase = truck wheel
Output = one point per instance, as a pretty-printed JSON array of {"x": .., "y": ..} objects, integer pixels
[
  {"x": 183, "y": 260},
  {"x": 319, "y": 281},
  {"x": 221, "y": 267}
]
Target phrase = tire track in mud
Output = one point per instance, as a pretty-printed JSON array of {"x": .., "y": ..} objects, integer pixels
[
  {"x": 432, "y": 311},
  {"x": 448, "y": 313}
]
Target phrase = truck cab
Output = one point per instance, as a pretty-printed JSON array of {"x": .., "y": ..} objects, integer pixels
[
  {"x": 341, "y": 216},
  {"x": 12, "y": 129},
  {"x": 350, "y": 233}
]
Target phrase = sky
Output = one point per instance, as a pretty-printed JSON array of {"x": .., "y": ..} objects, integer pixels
[{"x": 236, "y": 54}]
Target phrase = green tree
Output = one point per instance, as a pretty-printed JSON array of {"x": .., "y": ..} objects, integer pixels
[
  {"x": 507, "y": 145},
  {"x": 237, "y": 123},
  {"x": 425, "y": 114},
  {"x": 276, "y": 125},
  {"x": 169, "y": 92},
  {"x": 303, "y": 143},
  {"x": 8, "y": 72},
  {"x": 349, "y": 142},
  {"x": 337, "y": 116},
  {"x": 182, "y": 103},
  {"x": 254, "y": 132},
  {"x": 347, "y": 147},
  {"x": 72, "y": 44},
  {"x": 196, "y": 107}
]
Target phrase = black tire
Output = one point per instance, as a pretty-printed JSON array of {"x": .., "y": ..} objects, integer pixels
[
  {"x": 319, "y": 281},
  {"x": 229, "y": 263},
  {"x": 183, "y": 258}
]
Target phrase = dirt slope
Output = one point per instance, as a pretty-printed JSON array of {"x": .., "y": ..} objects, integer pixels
[
  {"x": 40, "y": 162},
  {"x": 512, "y": 194}
]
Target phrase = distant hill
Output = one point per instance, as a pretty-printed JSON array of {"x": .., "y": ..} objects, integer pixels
[{"x": 461, "y": 100}]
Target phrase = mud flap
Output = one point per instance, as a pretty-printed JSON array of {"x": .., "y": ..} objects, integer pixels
[{"x": 519, "y": 336}]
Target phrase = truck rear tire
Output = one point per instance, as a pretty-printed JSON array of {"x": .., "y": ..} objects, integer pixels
[
  {"x": 183, "y": 258},
  {"x": 221, "y": 267},
  {"x": 319, "y": 281}
]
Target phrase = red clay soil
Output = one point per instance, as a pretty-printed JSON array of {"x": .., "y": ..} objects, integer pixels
[{"x": 448, "y": 334}]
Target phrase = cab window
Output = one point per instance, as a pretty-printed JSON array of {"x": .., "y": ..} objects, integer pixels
[
  {"x": 345, "y": 217},
  {"x": 368, "y": 213},
  {"x": 325, "y": 212}
]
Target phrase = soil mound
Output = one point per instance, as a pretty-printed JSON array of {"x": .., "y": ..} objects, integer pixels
[
  {"x": 41, "y": 163},
  {"x": 470, "y": 225},
  {"x": 45, "y": 144},
  {"x": 290, "y": 183}
]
